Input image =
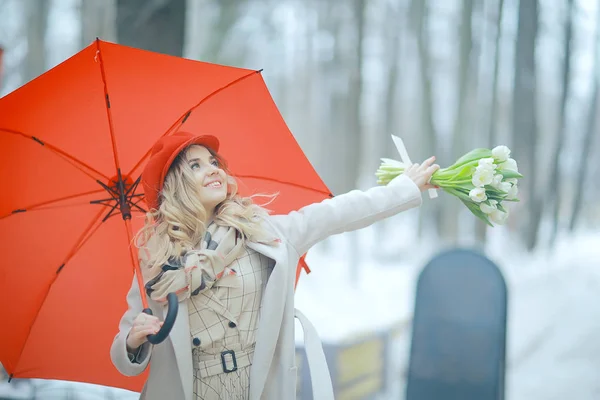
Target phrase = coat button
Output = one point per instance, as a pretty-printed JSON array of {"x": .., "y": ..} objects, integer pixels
[
  {"x": 196, "y": 341},
  {"x": 232, "y": 324}
]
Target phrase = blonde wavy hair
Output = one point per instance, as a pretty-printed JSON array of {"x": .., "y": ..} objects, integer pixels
[{"x": 180, "y": 221}]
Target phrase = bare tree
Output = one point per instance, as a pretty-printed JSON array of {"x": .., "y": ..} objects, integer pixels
[
  {"x": 331, "y": 157},
  {"x": 591, "y": 131},
  {"x": 524, "y": 114},
  {"x": 228, "y": 16},
  {"x": 554, "y": 186},
  {"x": 156, "y": 25},
  {"x": 37, "y": 24},
  {"x": 420, "y": 24},
  {"x": 493, "y": 128},
  {"x": 466, "y": 72},
  {"x": 98, "y": 20},
  {"x": 392, "y": 38},
  {"x": 392, "y": 18},
  {"x": 419, "y": 17},
  {"x": 480, "y": 227},
  {"x": 355, "y": 131}
]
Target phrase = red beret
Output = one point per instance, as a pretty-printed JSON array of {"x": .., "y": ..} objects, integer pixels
[{"x": 162, "y": 156}]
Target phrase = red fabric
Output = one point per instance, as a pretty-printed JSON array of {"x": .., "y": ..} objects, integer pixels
[
  {"x": 67, "y": 264},
  {"x": 302, "y": 265}
]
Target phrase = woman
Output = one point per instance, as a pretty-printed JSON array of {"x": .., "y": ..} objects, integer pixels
[{"x": 232, "y": 266}]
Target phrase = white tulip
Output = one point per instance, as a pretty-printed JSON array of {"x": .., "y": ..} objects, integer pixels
[
  {"x": 501, "y": 153},
  {"x": 504, "y": 186},
  {"x": 478, "y": 195},
  {"x": 482, "y": 177},
  {"x": 487, "y": 163},
  {"x": 497, "y": 181},
  {"x": 510, "y": 165},
  {"x": 512, "y": 193},
  {"x": 488, "y": 208},
  {"x": 498, "y": 217}
]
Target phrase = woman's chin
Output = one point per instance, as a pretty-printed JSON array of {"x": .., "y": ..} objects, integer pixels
[{"x": 211, "y": 200}]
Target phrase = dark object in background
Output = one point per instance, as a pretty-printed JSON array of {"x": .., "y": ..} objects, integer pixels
[
  {"x": 155, "y": 25},
  {"x": 458, "y": 347}
]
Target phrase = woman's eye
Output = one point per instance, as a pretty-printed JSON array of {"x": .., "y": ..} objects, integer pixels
[
  {"x": 215, "y": 163},
  {"x": 195, "y": 165}
]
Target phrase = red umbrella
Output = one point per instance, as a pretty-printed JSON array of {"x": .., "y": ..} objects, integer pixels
[{"x": 73, "y": 143}]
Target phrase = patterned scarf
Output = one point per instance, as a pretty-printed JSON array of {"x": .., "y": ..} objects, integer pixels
[{"x": 199, "y": 268}]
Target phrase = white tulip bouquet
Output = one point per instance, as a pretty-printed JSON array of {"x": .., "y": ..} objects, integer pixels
[{"x": 483, "y": 179}]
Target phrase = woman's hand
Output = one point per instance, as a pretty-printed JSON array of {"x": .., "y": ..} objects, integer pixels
[
  {"x": 143, "y": 325},
  {"x": 421, "y": 173}
]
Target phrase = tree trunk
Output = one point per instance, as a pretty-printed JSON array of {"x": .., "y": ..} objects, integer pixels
[
  {"x": 493, "y": 128},
  {"x": 449, "y": 228},
  {"x": 229, "y": 14},
  {"x": 336, "y": 171},
  {"x": 554, "y": 186},
  {"x": 393, "y": 34},
  {"x": 524, "y": 115},
  {"x": 430, "y": 211},
  {"x": 481, "y": 228},
  {"x": 465, "y": 73},
  {"x": 592, "y": 129},
  {"x": 356, "y": 140},
  {"x": 155, "y": 25},
  {"x": 37, "y": 23},
  {"x": 98, "y": 20}
]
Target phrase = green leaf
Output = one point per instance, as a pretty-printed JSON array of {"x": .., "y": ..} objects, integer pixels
[
  {"x": 492, "y": 191},
  {"x": 468, "y": 186},
  {"x": 472, "y": 155},
  {"x": 458, "y": 193},
  {"x": 475, "y": 210},
  {"x": 508, "y": 174}
]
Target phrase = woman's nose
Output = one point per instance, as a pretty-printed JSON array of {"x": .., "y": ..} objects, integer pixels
[{"x": 212, "y": 170}]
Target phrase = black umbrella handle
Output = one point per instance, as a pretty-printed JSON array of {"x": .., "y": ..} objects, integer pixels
[{"x": 169, "y": 320}]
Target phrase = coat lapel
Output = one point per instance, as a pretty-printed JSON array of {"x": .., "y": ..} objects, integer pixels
[
  {"x": 180, "y": 340},
  {"x": 270, "y": 317}
]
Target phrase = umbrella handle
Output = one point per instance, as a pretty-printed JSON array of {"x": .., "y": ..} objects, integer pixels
[{"x": 169, "y": 320}]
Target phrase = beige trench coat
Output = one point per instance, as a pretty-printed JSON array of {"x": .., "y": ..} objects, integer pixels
[{"x": 273, "y": 373}]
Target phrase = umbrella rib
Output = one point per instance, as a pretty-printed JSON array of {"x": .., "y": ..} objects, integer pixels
[
  {"x": 107, "y": 104},
  {"x": 103, "y": 201},
  {"x": 181, "y": 120},
  {"x": 81, "y": 241},
  {"x": 263, "y": 178},
  {"x": 138, "y": 207},
  {"x": 48, "y": 204},
  {"x": 80, "y": 165},
  {"x": 134, "y": 186}
]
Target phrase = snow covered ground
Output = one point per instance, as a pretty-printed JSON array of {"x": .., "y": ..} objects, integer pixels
[
  {"x": 553, "y": 318},
  {"x": 554, "y": 309}
]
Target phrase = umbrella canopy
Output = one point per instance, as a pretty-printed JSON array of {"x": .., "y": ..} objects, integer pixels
[{"x": 73, "y": 143}]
